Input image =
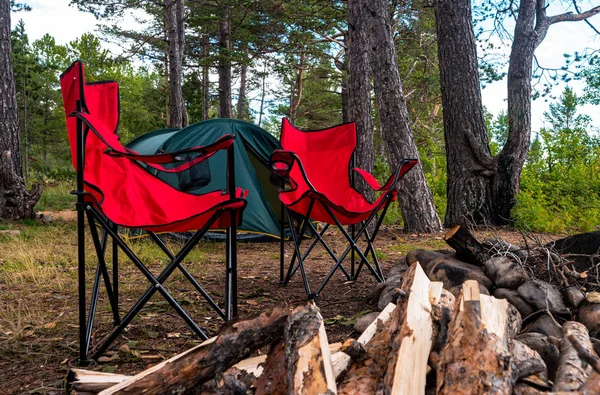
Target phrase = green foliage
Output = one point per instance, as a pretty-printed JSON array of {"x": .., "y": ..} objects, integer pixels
[
  {"x": 560, "y": 184},
  {"x": 57, "y": 196}
]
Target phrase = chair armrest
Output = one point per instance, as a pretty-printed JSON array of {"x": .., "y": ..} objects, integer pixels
[
  {"x": 202, "y": 152},
  {"x": 281, "y": 164},
  {"x": 403, "y": 167}
]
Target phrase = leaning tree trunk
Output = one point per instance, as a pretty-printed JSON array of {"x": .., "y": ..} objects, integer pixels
[
  {"x": 225, "y": 110},
  {"x": 358, "y": 86},
  {"x": 416, "y": 200},
  {"x": 205, "y": 78},
  {"x": 468, "y": 158},
  {"x": 176, "y": 37},
  {"x": 15, "y": 201},
  {"x": 512, "y": 157}
]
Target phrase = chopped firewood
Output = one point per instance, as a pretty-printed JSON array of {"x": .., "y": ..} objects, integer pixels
[
  {"x": 477, "y": 358},
  {"x": 592, "y": 384},
  {"x": 411, "y": 342},
  {"x": 467, "y": 248},
  {"x": 341, "y": 360},
  {"x": 202, "y": 363},
  {"x": 354, "y": 349},
  {"x": 572, "y": 372},
  {"x": 363, "y": 376},
  {"x": 273, "y": 379},
  {"x": 308, "y": 360},
  {"x": 87, "y": 381}
]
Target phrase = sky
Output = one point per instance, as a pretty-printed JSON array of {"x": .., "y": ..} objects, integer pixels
[{"x": 66, "y": 23}]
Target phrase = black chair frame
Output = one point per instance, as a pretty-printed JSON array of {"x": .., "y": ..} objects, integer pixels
[
  {"x": 97, "y": 219},
  {"x": 304, "y": 224}
]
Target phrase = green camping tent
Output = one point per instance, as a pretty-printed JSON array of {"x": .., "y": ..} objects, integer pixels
[{"x": 253, "y": 148}]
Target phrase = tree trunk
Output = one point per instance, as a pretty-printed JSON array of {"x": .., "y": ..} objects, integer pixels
[
  {"x": 176, "y": 37},
  {"x": 224, "y": 67},
  {"x": 468, "y": 157},
  {"x": 241, "y": 104},
  {"x": 416, "y": 200},
  {"x": 15, "y": 201},
  {"x": 205, "y": 77},
  {"x": 359, "y": 91},
  {"x": 296, "y": 90},
  {"x": 263, "y": 94},
  {"x": 9, "y": 128}
]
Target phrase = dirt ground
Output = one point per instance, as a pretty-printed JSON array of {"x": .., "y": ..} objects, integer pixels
[{"x": 38, "y": 299}]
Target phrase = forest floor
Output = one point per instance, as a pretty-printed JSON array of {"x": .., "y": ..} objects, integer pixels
[{"x": 38, "y": 297}]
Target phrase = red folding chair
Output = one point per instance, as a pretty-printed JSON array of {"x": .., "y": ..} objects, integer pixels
[
  {"x": 315, "y": 172},
  {"x": 115, "y": 188}
]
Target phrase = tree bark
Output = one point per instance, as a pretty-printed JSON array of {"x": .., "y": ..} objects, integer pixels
[
  {"x": 205, "y": 77},
  {"x": 9, "y": 126},
  {"x": 297, "y": 90},
  {"x": 416, "y": 200},
  {"x": 15, "y": 201},
  {"x": 176, "y": 38},
  {"x": 225, "y": 110},
  {"x": 468, "y": 158},
  {"x": 359, "y": 91},
  {"x": 241, "y": 104}
]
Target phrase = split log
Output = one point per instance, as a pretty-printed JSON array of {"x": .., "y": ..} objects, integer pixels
[
  {"x": 87, "y": 381},
  {"x": 412, "y": 341},
  {"x": 341, "y": 360},
  {"x": 308, "y": 360},
  {"x": 572, "y": 372},
  {"x": 364, "y": 376},
  {"x": 273, "y": 379},
  {"x": 204, "y": 362},
  {"x": 477, "y": 358},
  {"x": 467, "y": 248},
  {"x": 592, "y": 384}
]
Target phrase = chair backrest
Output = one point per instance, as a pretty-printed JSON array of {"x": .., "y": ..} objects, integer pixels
[
  {"x": 326, "y": 155},
  {"x": 100, "y": 99}
]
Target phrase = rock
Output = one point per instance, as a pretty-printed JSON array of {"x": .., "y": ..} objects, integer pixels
[
  {"x": 424, "y": 257},
  {"x": 10, "y": 232},
  {"x": 373, "y": 296},
  {"x": 573, "y": 296},
  {"x": 363, "y": 322},
  {"x": 453, "y": 273},
  {"x": 505, "y": 272},
  {"x": 46, "y": 218},
  {"x": 546, "y": 325},
  {"x": 516, "y": 300},
  {"x": 543, "y": 296},
  {"x": 548, "y": 351},
  {"x": 589, "y": 315},
  {"x": 399, "y": 268},
  {"x": 499, "y": 245},
  {"x": 387, "y": 295},
  {"x": 522, "y": 353}
]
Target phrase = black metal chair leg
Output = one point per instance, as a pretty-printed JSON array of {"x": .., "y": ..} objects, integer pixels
[
  {"x": 115, "y": 275},
  {"x": 299, "y": 255},
  {"x": 281, "y": 245}
]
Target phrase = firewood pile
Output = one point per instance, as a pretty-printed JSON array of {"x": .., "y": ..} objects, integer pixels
[{"x": 440, "y": 333}]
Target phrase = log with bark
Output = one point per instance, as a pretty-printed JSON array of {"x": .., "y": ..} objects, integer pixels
[
  {"x": 477, "y": 358},
  {"x": 572, "y": 371},
  {"x": 204, "y": 362},
  {"x": 308, "y": 360},
  {"x": 467, "y": 248}
]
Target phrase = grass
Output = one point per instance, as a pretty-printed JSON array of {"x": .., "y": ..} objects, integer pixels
[{"x": 56, "y": 197}]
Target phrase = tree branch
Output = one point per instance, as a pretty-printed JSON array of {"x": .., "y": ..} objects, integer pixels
[{"x": 571, "y": 17}]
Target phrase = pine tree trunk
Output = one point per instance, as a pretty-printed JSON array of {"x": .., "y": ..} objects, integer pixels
[
  {"x": 359, "y": 91},
  {"x": 469, "y": 161},
  {"x": 416, "y": 200},
  {"x": 512, "y": 157},
  {"x": 205, "y": 77},
  {"x": 9, "y": 127},
  {"x": 296, "y": 91},
  {"x": 225, "y": 110},
  {"x": 241, "y": 104},
  {"x": 176, "y": 37},
  {"x": 15, "y": 201}
]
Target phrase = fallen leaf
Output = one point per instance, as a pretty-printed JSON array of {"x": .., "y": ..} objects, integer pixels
[
  {"x": 174, "y": 335},
  {"x": 593, "y": 297},
  {"x": 108, "y": 369},
  {"x": 50, "y": 325}
]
